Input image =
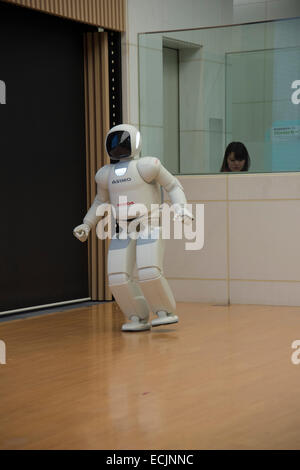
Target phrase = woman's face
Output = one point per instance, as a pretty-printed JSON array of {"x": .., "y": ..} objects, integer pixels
[{"x": 233, "y": 164}]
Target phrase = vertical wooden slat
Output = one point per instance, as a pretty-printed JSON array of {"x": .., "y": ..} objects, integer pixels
[
  {"x": 66, "y": 8},
  {"x": 107, "y": 9},
  {"x": 59, "y": 6},
  {"x": 89, "y": 156},
  {"x": 93, "y": 11},
  {"x": 123, "y": 12},
  {"x": 101, "y": 9},
  {"x": 104, "y": 13},
  {"x": 98, "y": 150},
  {"x": 119, "y": 13},
  {"x": 52, "y": 6},
  {"x": 113, "y": 11},
  {"x": 97, "y": 118},
  {"x": 80, "y": 9},
  {"x": 75, "y": 9},
  {"x": 88, "y": 14},
  {"x": 85, "y": 10},
  {"x": 97, "y": 12},
  {"x": 68, "y": 13},
  {"x": 91, "y": 120},
  {"x": 88, "y": 153},
  {"x": 104, "y": 129}
]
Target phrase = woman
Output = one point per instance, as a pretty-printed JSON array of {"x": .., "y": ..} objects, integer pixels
[{"x": 236, "y": 158}]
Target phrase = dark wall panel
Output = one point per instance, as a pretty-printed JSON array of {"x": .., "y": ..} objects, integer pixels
[{"x": 42, "y": 159}]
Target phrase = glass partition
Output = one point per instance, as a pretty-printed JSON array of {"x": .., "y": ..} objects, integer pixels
[{"x": 201, "y": 89}]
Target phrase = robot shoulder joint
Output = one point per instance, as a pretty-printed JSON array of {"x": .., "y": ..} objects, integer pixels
[
  {"x": 148, "y": 168},
  {"x": 102, "y": 176}
]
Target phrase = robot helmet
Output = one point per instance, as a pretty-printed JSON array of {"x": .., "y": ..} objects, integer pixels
[{"x": 123, "y": 142}]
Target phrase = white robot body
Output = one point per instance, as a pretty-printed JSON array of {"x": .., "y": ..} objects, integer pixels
[
  {"x": 150, "y": 290},
  {"x": 132, "y": 186}
]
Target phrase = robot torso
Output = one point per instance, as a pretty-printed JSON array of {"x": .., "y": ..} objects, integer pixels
[{"x": 125, "y": 180}]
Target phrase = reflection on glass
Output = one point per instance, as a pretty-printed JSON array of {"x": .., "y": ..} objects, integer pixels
[{"x": 201, "y": 90}]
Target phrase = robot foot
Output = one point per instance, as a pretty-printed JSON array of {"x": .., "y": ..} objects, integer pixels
[
  {"x": 164, "y": 318},
  {"x": 136, "y": 324}
]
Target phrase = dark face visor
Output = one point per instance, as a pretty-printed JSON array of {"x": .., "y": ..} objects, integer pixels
[{"x": 118, "y": 145}]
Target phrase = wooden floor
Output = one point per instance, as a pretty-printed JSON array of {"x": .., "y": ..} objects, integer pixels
[{"x": 220, "y": 379}]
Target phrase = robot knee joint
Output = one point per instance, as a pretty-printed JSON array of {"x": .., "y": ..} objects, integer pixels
[
  {"x": 149, "y": 274},
  {"x": 118, "y": 279}
]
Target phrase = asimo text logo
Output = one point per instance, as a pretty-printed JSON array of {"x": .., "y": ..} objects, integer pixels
[
  {"x": 2, "y": 92},
  {"x": 2, "y": 352}
]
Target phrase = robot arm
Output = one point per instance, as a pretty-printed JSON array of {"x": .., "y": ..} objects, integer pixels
[
  {"x": 151, "y": 169},
  {"x": 102, "y": 197}
]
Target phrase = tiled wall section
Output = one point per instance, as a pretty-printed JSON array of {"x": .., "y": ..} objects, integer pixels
[
  {"x": 202, "y": 275},
  {"x": 251, "y": 250}
]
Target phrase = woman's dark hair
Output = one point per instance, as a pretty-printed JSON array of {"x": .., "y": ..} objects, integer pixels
[{"x": 240, "y": 153}]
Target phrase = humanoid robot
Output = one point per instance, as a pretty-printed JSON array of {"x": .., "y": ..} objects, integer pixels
[{"x": 140, "y": 180}]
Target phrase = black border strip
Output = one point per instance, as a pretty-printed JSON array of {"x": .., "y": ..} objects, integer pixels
[{"x": 115, "y": 77}]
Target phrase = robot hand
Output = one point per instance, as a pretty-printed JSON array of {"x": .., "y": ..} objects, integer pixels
[
  {"x": 183, "y": 215},
  {"x": 82, "y": 232}
]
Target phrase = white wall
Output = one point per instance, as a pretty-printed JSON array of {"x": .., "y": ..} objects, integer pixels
[
  {"x": 246, "y": 11},
  {"x": 252, "y": 222}
]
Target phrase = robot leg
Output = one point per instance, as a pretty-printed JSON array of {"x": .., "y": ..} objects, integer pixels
[
  {"x": 127, "y": 293},
  {"x": 152, "y": 281}
]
